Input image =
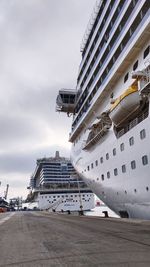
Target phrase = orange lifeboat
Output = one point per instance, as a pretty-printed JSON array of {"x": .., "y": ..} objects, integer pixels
[{"x": 125, "y": 105}]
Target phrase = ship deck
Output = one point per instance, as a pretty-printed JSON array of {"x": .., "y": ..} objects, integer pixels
[{"x": 51, "y": 239}]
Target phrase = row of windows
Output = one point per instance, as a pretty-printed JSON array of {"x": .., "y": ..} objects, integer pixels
[
  {"x": 113, "y": 59},
  {"x": 104, "y": 39},
  {"x": 64, "y": 196},
  {"x": 122, "y": 148},
  {"x": 64, "y": 201},
  {"x": 125, "y": 191},
  {"x": 124, "y": 168}
]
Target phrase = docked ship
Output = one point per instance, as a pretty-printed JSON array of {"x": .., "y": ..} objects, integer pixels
[
  {"x": 110, "y": 131},
  {"x": 55, "y": 186}
]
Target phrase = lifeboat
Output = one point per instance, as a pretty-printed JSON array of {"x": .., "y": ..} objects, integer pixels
[{"x": 123, "y": 106}]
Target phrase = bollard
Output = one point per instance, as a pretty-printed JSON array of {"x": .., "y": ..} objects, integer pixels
[{"x": 105, "y": 214}]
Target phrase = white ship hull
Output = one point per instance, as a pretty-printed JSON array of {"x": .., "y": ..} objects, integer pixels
[
  {"x": 112, "y": 153},
  {"x": 128, "y": 192},
  {"x": 65, "y": 201}
]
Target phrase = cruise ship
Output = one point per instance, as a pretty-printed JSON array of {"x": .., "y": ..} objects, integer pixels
[
  {"x": 110, "y": 131},
  {"x": 55, "y": 186}
]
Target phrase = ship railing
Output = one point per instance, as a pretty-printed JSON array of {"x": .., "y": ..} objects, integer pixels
[
  {"x": 94, "y": 138},
  {"x": 132, "y": 124},
  {"x": 90, "y": 25}
]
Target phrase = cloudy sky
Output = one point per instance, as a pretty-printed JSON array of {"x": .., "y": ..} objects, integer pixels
[{"x": 39, "y": 54}]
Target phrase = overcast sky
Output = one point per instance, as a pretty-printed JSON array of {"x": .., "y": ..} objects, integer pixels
[{"x": 39, "y": 54}]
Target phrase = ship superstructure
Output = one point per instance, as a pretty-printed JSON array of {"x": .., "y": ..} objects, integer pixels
[
  {"x": 110, "y": 132},
  {"x": 56, "y": 186}
]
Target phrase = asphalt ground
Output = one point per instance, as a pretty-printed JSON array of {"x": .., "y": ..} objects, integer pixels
[{"x": 44, "y": 239}]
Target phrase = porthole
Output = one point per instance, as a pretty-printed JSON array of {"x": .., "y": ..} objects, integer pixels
[
  {"x": 133, "y": 164},
  {"x": 123, "y": 168},
  {"x": 131, "y": 141},
  {"x": 102, "y": 177},
  {"x": 122, "y": 147},
  {"x": 108, "y": 175},
  {"x": 147, "y": 188},
  {"x": 126, "y": 77},
  {"x": 107, "y": 156},
  {"x": 145, "y": 160},
  {"x": 96, "y": 163},
  {"x": 142, "y": 134},
  {"x": 135, "y": 65},
  {"x": 101, "y": 160},
  {"x": 135, "y": 190},
  {"x": 146, "y": 52},
  {"x": 115, "y": 171},
  {"x": 114, "y": 152}
]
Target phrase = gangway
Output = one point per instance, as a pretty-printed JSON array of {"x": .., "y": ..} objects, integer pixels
[{"x": 55, "y": 205}]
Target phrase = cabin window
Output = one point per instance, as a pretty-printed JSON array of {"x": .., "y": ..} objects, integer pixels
[
  {"x": 102, "y": 177},
  {"x": 107, "y": 156},
  {"x": 146, "y": 52},
  {"x": 101, "y": 160},
  {"x": 115, "y": 171},
  {"x": 135, "y": 65},
  {"x": 126, "y": 77},
  {"x": 96, "y": 163},
  {"x": 142, "y": 134},
  {"x": 92, "y": 165},
  {"x": 88, "y": 168},
  {"x": 133, "y": 164},
  {"x": 131, "y": 141},
  {"x": 108, "y": 175},
  {"x": 124, "y": 168},
  {"x": 145, "y": 160},
  {"x": 114, "y": 152},
  {"x": 122, "y": 147}
]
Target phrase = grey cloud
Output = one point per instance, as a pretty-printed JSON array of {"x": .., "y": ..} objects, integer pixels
[
  {"x": 39, "y": 54},
  {"x": 25, "y": 161}
]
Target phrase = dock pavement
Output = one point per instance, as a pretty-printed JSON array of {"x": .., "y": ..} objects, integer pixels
[{"x": 59, "y": 240}]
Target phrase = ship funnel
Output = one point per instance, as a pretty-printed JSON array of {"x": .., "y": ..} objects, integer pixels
[{"x": 57, "y": 155}]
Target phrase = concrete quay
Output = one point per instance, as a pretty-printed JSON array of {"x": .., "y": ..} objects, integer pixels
[{"x": 59, "y": 240}]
